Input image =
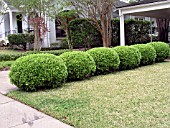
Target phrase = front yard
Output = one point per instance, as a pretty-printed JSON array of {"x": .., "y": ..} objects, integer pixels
[{"x": 133, "y": 99}]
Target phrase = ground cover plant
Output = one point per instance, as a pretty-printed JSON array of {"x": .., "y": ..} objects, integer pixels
[
  {"x": 136, "y": 98},
  {"x": 5, "y": 65},
  {"x": 7, "y": 55}
]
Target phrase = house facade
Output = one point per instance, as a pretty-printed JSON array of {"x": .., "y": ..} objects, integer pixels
[
  {"x": 13, "y": 22},
  {"x": 10, "y": 24},
  {"x": 145, "y": 8}
]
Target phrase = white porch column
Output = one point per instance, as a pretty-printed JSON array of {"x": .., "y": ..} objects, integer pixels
[
  {"x": 122, "y": 29},
  {"x": 3, "y": 28},
  {"x": 11, "y": 22}
]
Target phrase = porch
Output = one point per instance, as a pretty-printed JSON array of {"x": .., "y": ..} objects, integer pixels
[{"x": 148, "y": 8}]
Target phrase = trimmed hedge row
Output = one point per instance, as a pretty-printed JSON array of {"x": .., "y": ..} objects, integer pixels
[
  {"x": 8, "y": 57},
  {"x": 5, "y": 65},
  {"x": 39, "y": 71}
]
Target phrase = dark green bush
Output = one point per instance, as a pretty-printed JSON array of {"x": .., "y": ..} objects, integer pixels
[
  {"x": 162, "y": 50},
  {"x": 38, "y": 71},
  {"x": 148, "y": 53},
  {"x": 21, "y": 39},
  {"x": 106, "y": 59},
  {"x": 79, "y": 64},
  {"x": 64, "y": 44},
  {"x": 136, "y": 32},
  {"x": 129, "y": 57},
  {"x": 83, "y": 33}
]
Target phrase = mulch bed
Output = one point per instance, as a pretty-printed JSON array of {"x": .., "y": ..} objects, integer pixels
[{"x": 5, "y": 69}]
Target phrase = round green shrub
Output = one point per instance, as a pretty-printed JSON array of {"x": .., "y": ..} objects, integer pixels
[
  {"x": 162, "y": 50},
  {"x": 79, "y": 64},
  {"x": 106, "y": 59},
  {"x": 129, "y": 57},
  {"x": 148, "y": 53},
  {"x": 38, "y": 71}
]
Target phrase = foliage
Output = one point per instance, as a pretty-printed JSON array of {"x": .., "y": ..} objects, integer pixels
[
  {"x": 129, "y": 57},
  {"x": 34, "y": 72},
  {"x": 21, "y": 39},
  {"x": 54, "y": 52},
  {"x": 162, "y": 50},
  {"x": 100, "y": 12},
  {"x": 13, "y": 56},
  {"x": 64, "y": 17},
  {"x": 3, "y": 10},
  {"x": 79, "y": 65},
  {"x": 136, "y": 32},
  {"x": 148, "y": 53},
  {"x": 64, "y": 44},
  {"x": 5, "y": 64},
  {"x": 106, "y": 59},
  {"x": 84, "y": 34},
  {"x": 8, "y": 57},
  {"x": 36, "y": 10}
]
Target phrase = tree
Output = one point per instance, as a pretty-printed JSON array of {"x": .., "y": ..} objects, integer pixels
[
  {"x": 64, "y": 17},
  {"x": 163, "y": 26},
  {"x": 3, "y": 9},
  {"x": 100, "y": 11},
  {"x": 36, "y": 11}
]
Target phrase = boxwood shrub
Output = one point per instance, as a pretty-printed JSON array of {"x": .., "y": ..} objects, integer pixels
[
  {"x": 79, "y": 64},
  {"x": 129, "y": 57},
  {"x": 162, "y": 50},
  {"x": 106, "y": 59},
  {"x": 38, "y": 71},
  {"x": 148, "y": 53}
]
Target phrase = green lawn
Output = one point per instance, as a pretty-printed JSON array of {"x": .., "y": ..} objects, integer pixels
[{"x": 137, "y": 98}]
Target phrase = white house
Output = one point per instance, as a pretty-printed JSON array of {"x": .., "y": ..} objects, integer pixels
[
  {"x": 10, "y": 25},
  {"x": 146, "y": 8}
]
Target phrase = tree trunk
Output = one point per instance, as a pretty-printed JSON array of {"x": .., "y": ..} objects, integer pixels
[
  {"x": 35, "y": 38},
  {"x": 109, "y": 27},
  {"x": 104, "y": 32},
  {"x": 163, "y": 25},
  {"x": 70, "y": 46}
]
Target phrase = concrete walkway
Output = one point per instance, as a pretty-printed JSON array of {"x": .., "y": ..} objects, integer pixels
[
  {"x": 14, "y": 114},
  {"x": 5, "y": 85}
]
